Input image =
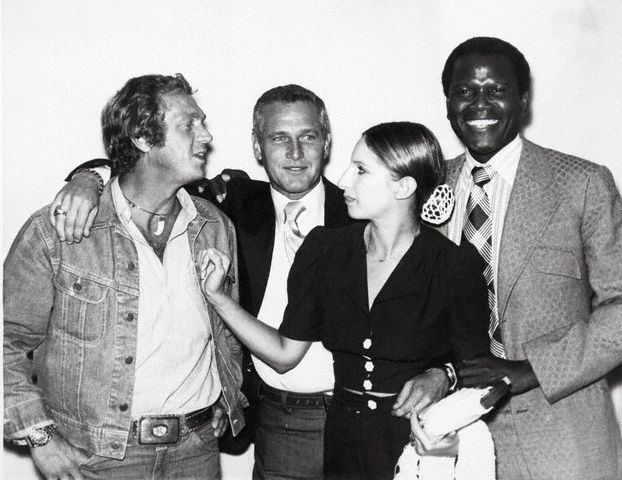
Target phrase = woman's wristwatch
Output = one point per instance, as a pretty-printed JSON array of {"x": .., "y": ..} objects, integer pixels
[
  {"x": 450, "y": 372},
  {"x": 38, "y": 437}
]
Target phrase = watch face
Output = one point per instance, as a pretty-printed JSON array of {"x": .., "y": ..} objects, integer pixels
[{"x": 39, "y": 437}]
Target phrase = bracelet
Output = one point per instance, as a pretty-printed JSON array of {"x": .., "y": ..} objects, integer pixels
[
  {"x": 100, "y": 180},
  {"x": 450, "y": 373}
]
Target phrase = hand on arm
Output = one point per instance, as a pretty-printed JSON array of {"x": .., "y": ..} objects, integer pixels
[
  {"x": 279, "y": 352},
  {"x": 58, "y": 459},
  {"x": 79, "y": 199},
  {"x": 420, "y": 392},
  {"x": 484, "y": 371}
]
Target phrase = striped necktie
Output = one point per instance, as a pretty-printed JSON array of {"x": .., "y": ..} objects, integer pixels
[
  {"x": 293, "y": 235},
  {"x": 478, "y": 230}
]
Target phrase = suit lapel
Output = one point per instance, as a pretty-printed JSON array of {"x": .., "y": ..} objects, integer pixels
[
  {"x": 532, "y": 204},
  {"x": 257, "y": 233}
]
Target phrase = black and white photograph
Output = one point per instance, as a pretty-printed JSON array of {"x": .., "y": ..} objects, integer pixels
[{"x": 284, "y": 239}]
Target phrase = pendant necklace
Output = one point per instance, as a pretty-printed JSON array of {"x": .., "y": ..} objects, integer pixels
[{"x": 161, "y": 216}]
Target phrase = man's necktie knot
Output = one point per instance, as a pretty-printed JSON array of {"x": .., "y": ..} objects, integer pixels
[{"x": 481, "y": 176}]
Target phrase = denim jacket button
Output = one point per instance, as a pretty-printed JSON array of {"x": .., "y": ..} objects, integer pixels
[
  {"x": 77, "y": 287},
  {"x": 129, "y": 360},
  {"x": 130, "y": 266},
  {"x": 115, "y": 445},
  {"x": 129, "y": 317},
  {"x": 123, "y": 407}
]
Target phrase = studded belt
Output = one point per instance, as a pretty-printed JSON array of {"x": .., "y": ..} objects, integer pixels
[
  {"x": 310, "y": 401},
  {"x": 168, "y": 429}
]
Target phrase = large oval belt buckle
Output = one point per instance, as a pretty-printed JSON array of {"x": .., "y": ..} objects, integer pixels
[{"x": 159, "y": 431}]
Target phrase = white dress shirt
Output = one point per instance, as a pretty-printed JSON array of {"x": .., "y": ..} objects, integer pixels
[
  {"x": 498, "y": 189},
  {"x": 175, "y": 366},
  {"x": 315, "y": 372}
]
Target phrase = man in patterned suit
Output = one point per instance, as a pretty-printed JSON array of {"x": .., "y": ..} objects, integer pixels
[{"x": 550, "y": 227}]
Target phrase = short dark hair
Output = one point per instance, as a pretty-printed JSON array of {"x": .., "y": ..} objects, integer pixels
[
  {"x": 409, "y": 149},
  {"x": 136, "y": 111},
  {"x": 289, "y": 94},
  {"x": 489, "y": 46}
]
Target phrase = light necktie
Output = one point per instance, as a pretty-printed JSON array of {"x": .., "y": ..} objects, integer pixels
[
  {"x": 293, "y": 235},
  {"x": 478, "y": 230}
]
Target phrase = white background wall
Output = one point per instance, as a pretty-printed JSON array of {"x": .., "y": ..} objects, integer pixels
[{"x": 370, "y": 60}]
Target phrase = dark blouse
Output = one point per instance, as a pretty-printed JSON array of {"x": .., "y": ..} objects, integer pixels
[{"x": 432, "y": 308}]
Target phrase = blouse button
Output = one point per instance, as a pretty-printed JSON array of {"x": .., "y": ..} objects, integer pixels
[
  {"x": 367, "y": 343},
  {"x": 367, "y": 384},
  {"x": 369, "y": 366},
  {"x": 371, "y": 404}
]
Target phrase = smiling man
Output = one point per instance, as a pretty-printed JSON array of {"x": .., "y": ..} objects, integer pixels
[
  {"x": 115, "y": 366},
  {"x": 549, "y": 228}
]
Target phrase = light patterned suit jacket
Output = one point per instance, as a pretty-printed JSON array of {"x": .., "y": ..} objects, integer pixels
[{"x": 560, "y": 306}]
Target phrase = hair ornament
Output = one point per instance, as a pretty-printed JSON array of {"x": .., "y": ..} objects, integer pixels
[{"x": 437, "y": 209}]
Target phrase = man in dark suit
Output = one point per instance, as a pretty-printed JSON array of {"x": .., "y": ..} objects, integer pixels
[
  {"x": 291, "y": 139},
  {"x": 549, "y": 226}
]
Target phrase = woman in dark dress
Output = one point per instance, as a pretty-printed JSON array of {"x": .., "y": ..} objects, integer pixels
[{"x": 389, "y": 298}]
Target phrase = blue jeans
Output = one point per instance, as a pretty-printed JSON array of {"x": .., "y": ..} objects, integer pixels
[
  {"x": 289, "y": 442},
  {"x": 195, "y": 456}
]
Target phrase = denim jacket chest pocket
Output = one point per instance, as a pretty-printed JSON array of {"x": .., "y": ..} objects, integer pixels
[{"x": 83, "y": 306}]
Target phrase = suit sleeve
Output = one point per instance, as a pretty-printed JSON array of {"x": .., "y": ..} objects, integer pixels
[
  {"x": 302, "y": 319},
  {"x": 469, "y": 317},
  {"x": 569, "y": 358}
]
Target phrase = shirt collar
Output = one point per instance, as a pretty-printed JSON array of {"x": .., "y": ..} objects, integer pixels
[
  {"x": 312, "y": 201},
  {"x": 188, "y": 210},
  {"x": 504, "y": 162}
]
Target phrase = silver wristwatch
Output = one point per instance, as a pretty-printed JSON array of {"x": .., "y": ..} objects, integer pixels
[{"x": 38, "y": 437}]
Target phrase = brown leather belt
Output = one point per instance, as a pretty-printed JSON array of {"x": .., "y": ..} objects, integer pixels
[
  {"x": 311, "y": 401},
  {"x": 167, "y": 429}
]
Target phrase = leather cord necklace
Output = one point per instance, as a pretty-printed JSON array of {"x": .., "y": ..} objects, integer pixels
[{"x": 161, "y": 216}]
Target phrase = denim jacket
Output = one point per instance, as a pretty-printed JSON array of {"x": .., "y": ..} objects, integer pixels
[{"x": 70, "y": 315}]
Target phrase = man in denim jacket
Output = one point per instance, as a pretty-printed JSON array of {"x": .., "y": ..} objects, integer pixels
[{"x": 113, "y": 360}]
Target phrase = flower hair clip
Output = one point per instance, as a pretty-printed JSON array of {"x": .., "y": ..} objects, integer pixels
[{"x": 437, "y": 209}]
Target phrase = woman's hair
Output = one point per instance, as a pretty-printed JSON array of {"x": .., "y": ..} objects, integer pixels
[{"x": 409, "y": 150}]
